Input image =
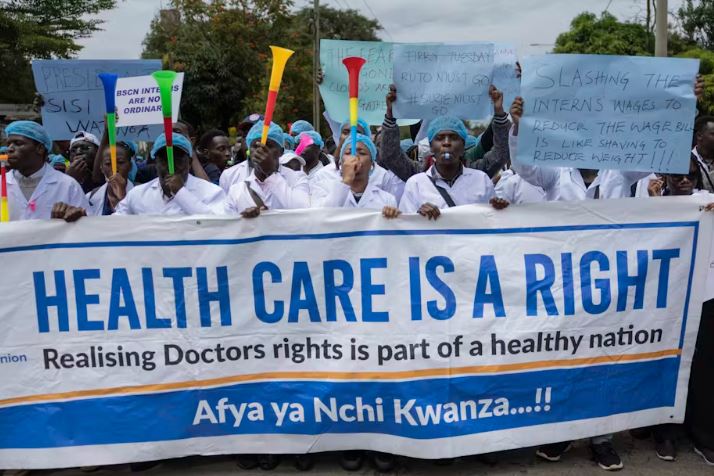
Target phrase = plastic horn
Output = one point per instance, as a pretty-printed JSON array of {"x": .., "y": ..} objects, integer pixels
[
  {"x": 280, "y": 58},
  {"x": 109, "y": 81},
  {"x": 354, "y": 65},
  {"x": 4, "y": 209},
  {"x": 305, "y": 142},
  {"x": 165, "y": 80}
]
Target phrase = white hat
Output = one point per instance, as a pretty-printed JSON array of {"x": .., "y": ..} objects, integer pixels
[
  {"x": 290, "y": 155},
  {"x": 84, "y": 136}
]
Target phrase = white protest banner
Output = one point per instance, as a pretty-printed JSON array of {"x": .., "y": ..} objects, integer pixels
[
  {"x": 138, "y": 101},
  {"x": 142, "y": 338},
  {"x": 608, "y": 112},
  {"x": 435, "y": 79}
]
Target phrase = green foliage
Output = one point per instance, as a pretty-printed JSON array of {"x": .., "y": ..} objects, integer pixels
[
  {"x": 589, "y": 34},
  {"x": 40, "y": 29},
  {"x": 605, "y": 35},
  {"x": 706, "y": 69},
  {"x": 49, "y": 28},
  {"x": 696, "y": 18},
  {"x": 223, "y": 48}
]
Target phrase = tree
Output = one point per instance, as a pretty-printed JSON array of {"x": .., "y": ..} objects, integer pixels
[
  {"x": 32, "y": 29},
  {"x": 605, "y": 35},
  {"x": 706, "y": 69},
  {"x": 223, "y": 47},
  {"x": 696, "y": 19}
]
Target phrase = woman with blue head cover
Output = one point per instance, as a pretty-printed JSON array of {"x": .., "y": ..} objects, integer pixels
[
  {"x": 356, "y": 189},
  {"x": 447, "y": 183},
  {"x": 321, "y": 183}
]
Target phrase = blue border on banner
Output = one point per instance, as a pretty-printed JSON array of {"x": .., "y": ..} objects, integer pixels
[
  {"x": 576, "y": 394},
  {"x": 25, "y": 426},
  {"x": 349, "y": 234}
]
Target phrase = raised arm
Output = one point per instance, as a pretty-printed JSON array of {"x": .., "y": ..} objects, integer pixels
[
  {"x": 390, "y": 154},
  {"x": 496, "y": 158},
  {"x": 544, "y": 177}
]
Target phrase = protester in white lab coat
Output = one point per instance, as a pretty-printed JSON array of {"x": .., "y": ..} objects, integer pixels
[
  {"x": 177, "y": 194},
  {"x": 82, "y": 152},
  {"x": 104, "y": 200},
  {"x": 33, "y": 185},
  {"x": 269, "y": 185},
  {"x": 311, "y": 153},
  {"x": 240, "y": 172},
  {"x": 233, "y": 175},
  {"x": 447, "y": 183},
  {"x": 512, "y": 188},
  {"x": 356, "y": 189},
  {"x": 323, "y": 180}
]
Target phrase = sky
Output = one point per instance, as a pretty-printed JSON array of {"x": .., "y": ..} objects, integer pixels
[{"x": 530, "y": 25}]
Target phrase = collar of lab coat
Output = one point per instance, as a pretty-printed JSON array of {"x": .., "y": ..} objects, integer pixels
[
  {"x": 50, "y": 176},
  {"x": 190, "y": 183},
  {"x": 577, "y": 179}
]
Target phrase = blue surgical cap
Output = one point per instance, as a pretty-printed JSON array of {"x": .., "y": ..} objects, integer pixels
[
  {"x": 31, "y": 130},
  {"x": 360, "y": 123},
  {"x": 289, "y": 141},
  {"x": 406, "y": 144},
  {"x": 131, "y": 145},
  {"x": 471, "y": 141},
  {"x": 3, "y": 149},
  {"x": 55, "y": 159},
  {"x": 316, "y": 138},
  {"x": 301, "y": 126},
  {"x": 275, "y": 133},
  {"x": 179, "y": 141},
  {"x": 447, "y": 123},
  {"x": 363, "y": 139}
]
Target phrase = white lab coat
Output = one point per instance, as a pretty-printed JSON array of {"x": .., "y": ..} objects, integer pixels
[
  {"x": 642, "y": 186},
  {"x": 472, "y": 186},
  {"x": 196, "y": 197},
  {"x": 514, "y": 189},
  {"x": 341, "y": 196},
  {"x": 286, "y": 189},
  {"x": 96, "y": 199},
  {"x": 565, "y": 183},
  {"x": 53, "y": 187},
  {"x": 382, "y": 178},
  {"x": 233, "y": 175},
  {"x": 313, "y": 171}
]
